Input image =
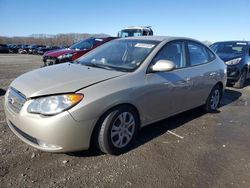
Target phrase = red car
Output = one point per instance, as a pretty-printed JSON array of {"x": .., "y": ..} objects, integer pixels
[{"x": 73, "y": 52}]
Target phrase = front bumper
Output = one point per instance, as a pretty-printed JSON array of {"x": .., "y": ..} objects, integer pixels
[
  {"x": 59, "y": 133},
  {"x": 49, "y": 60},
  {"x": 233, "y": 73}
]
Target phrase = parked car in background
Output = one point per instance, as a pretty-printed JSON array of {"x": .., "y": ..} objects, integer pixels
[
  {"x": 236, "y": 55},
  {"x": 107, "y": 95},
  {"x": 64, "y": 46},
  {"x": 73, "y": 52},
  {"x": 42, "y": 50},
  {"x": 4, "y": 48},
  {"x": 23, "y": 49},
  {"x": 13, "y": 48},
  {"x": 33, "y": 48},
  {"x": 134, "y": 31}
]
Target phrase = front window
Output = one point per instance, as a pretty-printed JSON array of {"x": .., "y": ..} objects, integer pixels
[
  {"x": 121, "y": 55},
  {"x": 229, "y": 47},
  {"x": 172, "y": 52}
]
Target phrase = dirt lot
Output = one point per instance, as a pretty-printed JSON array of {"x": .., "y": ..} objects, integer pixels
[{"x": 208, "y": 150}]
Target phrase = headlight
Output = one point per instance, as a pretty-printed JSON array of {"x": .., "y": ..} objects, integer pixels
[
  {"x": 233, "y": 61},
  {"x": 65, "y": 56},
  {"x": 54, "y": 104}
]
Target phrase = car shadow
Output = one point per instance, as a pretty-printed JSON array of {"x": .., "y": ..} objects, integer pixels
[
  {"x": 230, "y": 96},
  {"x": 155, "y": 130},
  {"x": 247, "y": 83},
  {"x": 150, "y": 132},
  {"x": 93, "y": 151},
  {"x": 2, "y": 92}
]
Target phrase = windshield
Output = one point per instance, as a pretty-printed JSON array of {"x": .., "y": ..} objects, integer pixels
[
  {"x": 85, "y": 44},
  {"x": 130, "y": 33},
  {"x": 229, "y": 47},
  {"x": 121, "y": 55}
]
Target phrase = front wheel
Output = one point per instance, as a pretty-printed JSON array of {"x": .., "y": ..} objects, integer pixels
[
  {"x": 213, "y": 100},
  {"x": 118, "y": 129}
]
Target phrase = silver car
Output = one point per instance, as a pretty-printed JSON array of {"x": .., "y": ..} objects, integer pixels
[{"x": 110, "y": 93}]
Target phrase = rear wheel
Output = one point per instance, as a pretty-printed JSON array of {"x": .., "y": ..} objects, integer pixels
[
  {"x": 213, "y": 100},
  {"x": 241, "y": 82},
  {"x": 118, "y": 129}
]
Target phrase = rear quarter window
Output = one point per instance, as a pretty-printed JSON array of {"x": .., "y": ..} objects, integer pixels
[{"x": 211, "y": 54}]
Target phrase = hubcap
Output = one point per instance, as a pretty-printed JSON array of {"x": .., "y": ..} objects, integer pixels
[
  {"x": 123, "y": 129},
  {"x": 215, "y": 99}
]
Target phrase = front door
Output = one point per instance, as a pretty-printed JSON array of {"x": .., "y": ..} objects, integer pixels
[{"x": 167, "y": 93}]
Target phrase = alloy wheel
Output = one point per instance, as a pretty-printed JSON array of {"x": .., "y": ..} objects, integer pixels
[
  {"x": 215, "y": 99},
  {"x": 123, "y": 129}
]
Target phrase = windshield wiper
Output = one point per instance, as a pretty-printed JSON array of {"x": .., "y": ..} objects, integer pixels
[
  {"x": 89, "y": 64},
  {"x": 98, "y": 66}
]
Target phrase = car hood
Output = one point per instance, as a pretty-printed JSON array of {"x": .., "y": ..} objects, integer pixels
[
  {"x": 56, "y": 53},
  {"x": 227, "y": 57},
  {"x": 62, "y": 78}
]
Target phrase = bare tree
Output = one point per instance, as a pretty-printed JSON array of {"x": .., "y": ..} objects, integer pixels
[{"x": 50, "y": 40}]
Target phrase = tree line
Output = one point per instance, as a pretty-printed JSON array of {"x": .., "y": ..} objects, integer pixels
[
  {"x": 55, "y": 40},
  {"x": 49, "y": 40}
]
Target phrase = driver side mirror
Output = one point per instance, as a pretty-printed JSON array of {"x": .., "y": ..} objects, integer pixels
[{"x": 163, "y": 66}]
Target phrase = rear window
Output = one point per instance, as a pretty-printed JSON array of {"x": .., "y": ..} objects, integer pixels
[
  {"x": 130, "y": 33},
  {"x": 198, "y": 54}
]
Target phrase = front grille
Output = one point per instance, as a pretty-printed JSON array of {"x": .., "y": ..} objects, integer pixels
[
  {"x": 24, "y": 135},
  {"x": 15, "y": 99},
  {"x": 48, "y": 60}
]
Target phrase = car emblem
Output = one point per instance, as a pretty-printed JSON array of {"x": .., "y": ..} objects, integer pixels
[{"x": 11, "y": 101}]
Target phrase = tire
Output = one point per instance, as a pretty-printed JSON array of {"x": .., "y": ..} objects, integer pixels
[
  {"x": 213, "y": 100},
  {"x": 116, "y": 137},
  {"x": 241, "y": 82}
]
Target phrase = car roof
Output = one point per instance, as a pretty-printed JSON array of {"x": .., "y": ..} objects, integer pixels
[
  {"x": 96, "y": 38},
  {"x": 158, "y": 38},
  {"x": 138, "y": 27},
  {"x": 239, "y": 41}
]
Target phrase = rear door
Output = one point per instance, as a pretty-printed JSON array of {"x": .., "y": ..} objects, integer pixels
[{"x": 202, "y": 72}]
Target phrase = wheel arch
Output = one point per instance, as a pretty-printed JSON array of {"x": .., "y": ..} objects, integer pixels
[
  {"x": 97, "y": 124},
  {"x": 220, "y": 84}
]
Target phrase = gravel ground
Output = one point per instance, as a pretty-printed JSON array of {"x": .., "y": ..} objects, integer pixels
[{"x": 192, "y": 149}]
